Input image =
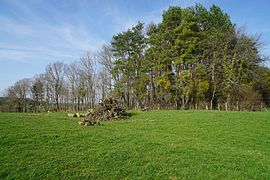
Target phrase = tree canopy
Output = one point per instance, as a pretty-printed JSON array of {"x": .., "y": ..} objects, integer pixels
[{"x": 195, "y": 58}]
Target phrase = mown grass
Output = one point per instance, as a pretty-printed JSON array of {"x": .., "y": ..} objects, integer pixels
[{"x": 149, "y": 145}]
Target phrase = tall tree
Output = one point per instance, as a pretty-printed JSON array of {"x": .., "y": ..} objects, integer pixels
[
  {"x": 37, "y": 90},
  {"x": 55, "y": 78},
  {"x": 87, "y": 81},
  {"x": 106, "y": 59},
  {"x": 128, "y": 49}
]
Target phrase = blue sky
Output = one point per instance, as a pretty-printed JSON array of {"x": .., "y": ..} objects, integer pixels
[{"x": 34, "y": 33}]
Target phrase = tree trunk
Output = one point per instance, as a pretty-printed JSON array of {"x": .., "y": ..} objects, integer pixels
[{"x": 213, "y": 96}]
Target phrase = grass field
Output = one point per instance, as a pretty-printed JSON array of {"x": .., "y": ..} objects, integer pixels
[{"x": 155, "y": 144}]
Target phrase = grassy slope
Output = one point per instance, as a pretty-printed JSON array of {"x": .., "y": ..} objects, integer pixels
[{"x": 160, "y": 144}]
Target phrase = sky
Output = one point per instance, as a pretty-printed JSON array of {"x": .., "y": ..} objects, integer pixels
[{"x": 34, "y": 33}]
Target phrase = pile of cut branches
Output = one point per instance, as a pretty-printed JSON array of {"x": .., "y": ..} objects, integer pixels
[{"x": 107, "y": 110}]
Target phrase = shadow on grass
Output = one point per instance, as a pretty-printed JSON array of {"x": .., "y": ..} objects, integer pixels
[{"x": 132, "y": 113}]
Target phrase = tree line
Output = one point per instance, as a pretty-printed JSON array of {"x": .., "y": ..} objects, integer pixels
[
  {"x": 61, "y": 87},
  {"x": 195, "y": 58}
]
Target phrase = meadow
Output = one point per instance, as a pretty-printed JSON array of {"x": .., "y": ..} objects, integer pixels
[{"x": 149, "y": 145}]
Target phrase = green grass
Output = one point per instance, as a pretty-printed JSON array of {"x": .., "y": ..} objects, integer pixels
[{"x": 149, "y": 145}]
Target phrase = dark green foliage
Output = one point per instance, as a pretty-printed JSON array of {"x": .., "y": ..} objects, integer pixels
[
  {"x": 194, "y": 58},
  {"x": 128, "y": 49},
  {"x": 37, "y": 91}
]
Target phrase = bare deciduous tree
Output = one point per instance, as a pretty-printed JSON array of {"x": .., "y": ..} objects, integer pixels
[{"x": 55, "y": 78}]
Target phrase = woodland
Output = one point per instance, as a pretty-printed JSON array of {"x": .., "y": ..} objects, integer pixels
[{"x": 195, "y": 58}]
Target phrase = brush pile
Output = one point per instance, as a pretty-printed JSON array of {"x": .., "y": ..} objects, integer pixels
[{"x": 107, "y": 110}]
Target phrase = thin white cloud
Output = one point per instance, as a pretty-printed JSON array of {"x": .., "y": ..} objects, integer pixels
[
  {"x": 26, "y": 54},
  {"x": 122, "y": 21},
  {"x": 29, "y": 34},
  {"x": 33, "y": 35},
  {"x": 9, "y": 26}
]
